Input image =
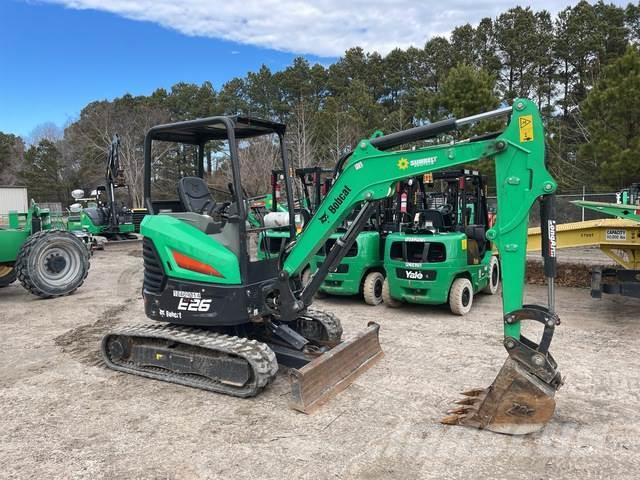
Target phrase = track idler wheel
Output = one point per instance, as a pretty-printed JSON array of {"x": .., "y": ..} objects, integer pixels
[
  {"x": 521, "y": 398},
  {"x": 321, "y": 328}
]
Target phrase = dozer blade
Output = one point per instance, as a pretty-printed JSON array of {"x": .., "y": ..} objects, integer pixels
[
  {"x": 516, "y": 403},
  {"x": 333, "y": 371}
]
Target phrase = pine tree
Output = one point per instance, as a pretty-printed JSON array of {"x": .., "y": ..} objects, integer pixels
[{"x": 611, "y": 114}]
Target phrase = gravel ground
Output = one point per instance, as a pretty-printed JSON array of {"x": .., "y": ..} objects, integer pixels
[{"x": 66, "y": 416}]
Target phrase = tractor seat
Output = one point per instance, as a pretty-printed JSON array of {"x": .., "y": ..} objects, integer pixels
[
  {"x": 97, "y": 215},
  {"x": 195, "y": 195}
]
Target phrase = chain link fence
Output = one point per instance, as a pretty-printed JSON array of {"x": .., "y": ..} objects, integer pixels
[{"x": 566, "y": 211}]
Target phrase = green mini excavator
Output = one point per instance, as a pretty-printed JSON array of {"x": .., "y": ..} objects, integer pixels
[{"x": 226, "y": 322}]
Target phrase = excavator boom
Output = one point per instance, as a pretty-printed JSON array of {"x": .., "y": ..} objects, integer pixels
[{"x": 521, "y": 399}]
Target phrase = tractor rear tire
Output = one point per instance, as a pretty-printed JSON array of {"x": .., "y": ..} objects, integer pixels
[
  {"x": 7, "y": 275},
  {"x": 372, "y": 288},
  {"x": 494, "y": 277},
  {"x": 461, "y": 296},
  {"x": 388, "y": 300},
  {"x": 52, "y": 263}
]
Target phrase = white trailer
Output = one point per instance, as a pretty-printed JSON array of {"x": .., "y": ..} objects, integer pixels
[{"x": 13, "y": 198}]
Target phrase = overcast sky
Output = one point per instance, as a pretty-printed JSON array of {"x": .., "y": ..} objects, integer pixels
[{"x": 321, "y": 27}]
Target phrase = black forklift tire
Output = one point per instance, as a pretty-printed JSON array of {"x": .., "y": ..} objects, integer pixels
[
  {"x": 388, "y": 300},
  {"x": 372, "y": 288},
  {"x": 461, "y": 296},
  {"x": 494, "y": 277},
  {"x": 8, "y": 276},
  {"x": 52, "y": 263}
]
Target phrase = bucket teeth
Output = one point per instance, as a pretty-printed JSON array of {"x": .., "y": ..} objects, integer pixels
[
  {"x": 469, "y": 405},
  {"x": 450, "y": 420},
  {"x": 516, "y": 403},
  {"x": 459, "y": 411},
  {"x": 475, "y": 392}
]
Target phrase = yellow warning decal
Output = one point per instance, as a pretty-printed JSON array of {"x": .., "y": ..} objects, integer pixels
[
  {"x": 159, "y": 356},
  {"x": 464, "y": 244},
  {"x": 525, "y": 123}
]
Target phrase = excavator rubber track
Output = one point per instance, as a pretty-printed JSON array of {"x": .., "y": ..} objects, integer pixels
[{"x": 220, "y": 363}]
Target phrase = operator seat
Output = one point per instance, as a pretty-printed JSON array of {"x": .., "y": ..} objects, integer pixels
[
  {"x": 432, "y": 218},
  {"x": 195, "y": 195},
  {"x": 199, "y": 206},
  {"x": 477, "y": 243}
]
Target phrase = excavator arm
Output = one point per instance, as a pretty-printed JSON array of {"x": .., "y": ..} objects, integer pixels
[{"x": 521, "y": 398}]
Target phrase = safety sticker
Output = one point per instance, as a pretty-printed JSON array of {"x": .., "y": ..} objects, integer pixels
[
  {"x": 616, "y": 235},
  {"x": 525, "y": 123}
]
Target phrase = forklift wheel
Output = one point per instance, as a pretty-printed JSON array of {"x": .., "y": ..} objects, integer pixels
[
  {"x": 388, "y": 300},
  {"x": 7, "y": 275},
  {"x": 372, "y": 288},
  {"x": 494, "y": 277},
  {"x": 461, "y": 296}
]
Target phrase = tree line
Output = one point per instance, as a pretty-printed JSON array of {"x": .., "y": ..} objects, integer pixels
[{"x": 581, "y": 67}]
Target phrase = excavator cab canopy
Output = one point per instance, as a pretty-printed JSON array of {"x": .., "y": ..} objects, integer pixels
[{"x": 193, "y": 139}]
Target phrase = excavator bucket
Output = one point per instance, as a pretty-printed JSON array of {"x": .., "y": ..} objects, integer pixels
[
  {"x": 521, "y": 398},
  {"x": 516, "y": 403},
  {"x": 333, "y": 371}
]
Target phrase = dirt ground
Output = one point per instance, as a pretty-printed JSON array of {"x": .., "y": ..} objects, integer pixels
[{"x": 64, "y": 415}]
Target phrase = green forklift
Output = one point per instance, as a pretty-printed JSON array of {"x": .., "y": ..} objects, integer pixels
[
  {"x": 48, "y": 262},
  {"x": 441, "y": 255},
  {"x": 361, "y": 271},
  {"x": 312, "y": 183}
]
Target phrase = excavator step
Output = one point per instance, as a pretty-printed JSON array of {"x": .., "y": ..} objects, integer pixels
[{"x": 333, "y": 371}]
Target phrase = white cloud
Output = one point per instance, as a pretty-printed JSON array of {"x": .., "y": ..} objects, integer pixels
[{"x": 321, "y": 27}]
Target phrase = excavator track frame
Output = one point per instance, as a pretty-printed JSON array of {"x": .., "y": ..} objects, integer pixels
[{"x": 258, "y": 356}]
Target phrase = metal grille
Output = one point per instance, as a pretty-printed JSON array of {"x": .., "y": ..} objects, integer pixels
[{"x": 154, "y": 277}]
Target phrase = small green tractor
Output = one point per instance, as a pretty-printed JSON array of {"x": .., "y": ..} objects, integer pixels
[
  {"x": 442, "y": 254},
  {"x": 100, "y": 214},
  {"x": 47, "y": 261}
]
